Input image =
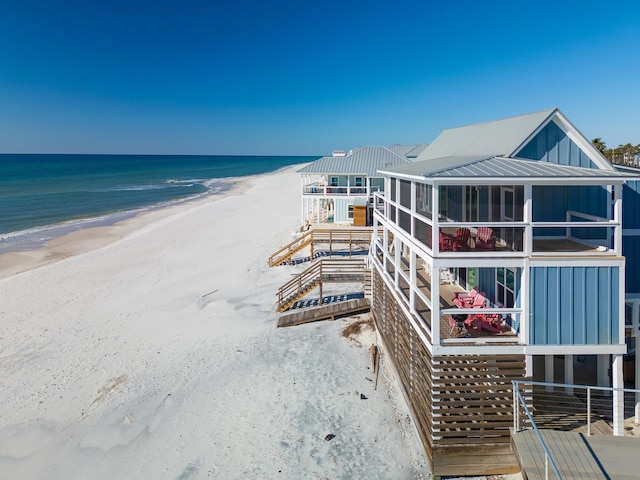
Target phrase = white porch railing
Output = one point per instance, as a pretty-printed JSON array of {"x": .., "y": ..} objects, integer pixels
[{"x": 329, "y": 190}]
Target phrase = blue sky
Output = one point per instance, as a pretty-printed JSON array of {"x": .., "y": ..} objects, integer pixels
[{"x": 305, "y": 78}]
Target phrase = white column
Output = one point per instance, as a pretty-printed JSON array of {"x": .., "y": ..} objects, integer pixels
[
  {"x": 435, "y": 305},
  {"x": 617, "y": 217},
  {"x": 618, "y": 396},
  {"x": 412, "y": 281},
  {"x": 568, "y": 373},
  {"x": 527, "y": 217},
  {"x": 548, "y": 371},
  {"x": 435, "y": 201},
  {"x": 528, "y": 366}
]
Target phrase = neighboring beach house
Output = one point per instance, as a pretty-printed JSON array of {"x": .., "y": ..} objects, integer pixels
[
  {"x": 496, "y": 253},
  {"x": 340, "y": 188}
]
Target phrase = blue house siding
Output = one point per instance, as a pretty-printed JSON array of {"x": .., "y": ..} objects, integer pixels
[
  {"x": 574, "y": 305},
  {"x": 552, "y": 145}
]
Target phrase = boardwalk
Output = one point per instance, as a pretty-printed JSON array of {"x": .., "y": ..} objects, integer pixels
[
  {"x": 578, "y": 456},
  {"x": 325, "y": 312}
]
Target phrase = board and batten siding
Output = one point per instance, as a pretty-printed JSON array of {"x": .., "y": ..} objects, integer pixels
[
  {"x": 574, "y": 305},
  {"x": 552, "y": 145}
]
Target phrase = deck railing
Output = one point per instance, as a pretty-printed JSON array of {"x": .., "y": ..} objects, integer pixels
[
  {"x": 329, "y": 237},
  {"x": 330, "y": 190},
  {"x": 578, "y": 234},
  {"x": 323, "y": 271},
  {"x": 570, "y": 407},
  {"x": 519, "y": 407},
  {"x": 544, "y": 407}
]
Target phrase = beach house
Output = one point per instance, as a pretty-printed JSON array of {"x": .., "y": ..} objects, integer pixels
[
  {"x": 498, "y": 255},
  {"x": 340, "y": 188}
]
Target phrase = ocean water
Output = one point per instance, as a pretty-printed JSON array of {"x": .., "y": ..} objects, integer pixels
[{"x": 46, "y": 196}]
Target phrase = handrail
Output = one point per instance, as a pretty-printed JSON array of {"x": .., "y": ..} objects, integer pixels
[
  {"x": 323, "y": 270},
  {"x": 293, "y": 245},
  {"x": 320, "y": 235},
  {"x": 517, "y": 398}
]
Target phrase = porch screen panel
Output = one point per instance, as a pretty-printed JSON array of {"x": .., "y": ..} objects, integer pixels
[
  {"x": 631, "y": 251},
  {"x": 631, "y": 202},
  {"x": 405, "y": 193}
]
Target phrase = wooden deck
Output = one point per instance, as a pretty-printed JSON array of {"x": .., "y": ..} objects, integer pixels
[
  {"x": 576, "y": 455},
  {"x": 325, "y": 312}
]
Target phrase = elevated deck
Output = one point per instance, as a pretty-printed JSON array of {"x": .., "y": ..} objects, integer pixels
[{"x": 579, "y": 456}]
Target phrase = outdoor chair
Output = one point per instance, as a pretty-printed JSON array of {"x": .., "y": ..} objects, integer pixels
[
  {"x": 446, "y": 277},
  {"x": 446, "y": 242},
  {"x": 492, "y": 322},
  {"x": 465, "y": 299},
  {"x": 461, "y": 241},
  {"x": 485, "y": 238}
]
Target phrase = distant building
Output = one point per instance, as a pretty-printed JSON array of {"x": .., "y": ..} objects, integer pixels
[{"x": 340, "y": 188}]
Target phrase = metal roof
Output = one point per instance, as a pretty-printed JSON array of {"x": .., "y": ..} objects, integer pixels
[
  {"x": 498, "y": 167},
  {"x": 496, "y": 138},
  {"x": 409, "y": 151},
  {"x": 363, "y": 161}
]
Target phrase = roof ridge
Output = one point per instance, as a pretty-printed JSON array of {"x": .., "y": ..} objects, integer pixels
[{"x": 549, "y": 111}]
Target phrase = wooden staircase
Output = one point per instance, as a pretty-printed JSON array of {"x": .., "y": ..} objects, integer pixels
[
  {"x": 321, "y": 271},
  {"x": 329, "y": 237},
  {"x": 286, "y": 253}
]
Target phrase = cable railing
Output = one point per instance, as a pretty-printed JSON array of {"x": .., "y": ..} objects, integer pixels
[
  {"x": 580, "y": 409},
  {"x": 519, "y": 404}
]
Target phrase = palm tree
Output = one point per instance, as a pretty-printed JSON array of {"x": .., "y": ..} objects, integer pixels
[{"x": 599, "y": 144}]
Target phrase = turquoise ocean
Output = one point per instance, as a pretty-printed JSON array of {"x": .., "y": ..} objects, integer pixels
[{"x": 47, "y": 196}]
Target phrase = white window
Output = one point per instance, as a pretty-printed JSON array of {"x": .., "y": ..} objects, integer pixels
[
  {"x": 350, "y": 211},
  {"x": 359, "y": 181},
  {"x": 506, "y": 286}
]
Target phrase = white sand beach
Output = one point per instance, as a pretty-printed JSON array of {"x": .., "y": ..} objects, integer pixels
[{"x": 149, "y": 349}]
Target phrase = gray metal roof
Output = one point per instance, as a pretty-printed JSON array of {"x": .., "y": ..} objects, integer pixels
[
  {"x": 496, "y": 138},
  {"x": 409, "y": 151},
  {"x": 498, "y": 167},
  {"x": 363, "y": 161}
]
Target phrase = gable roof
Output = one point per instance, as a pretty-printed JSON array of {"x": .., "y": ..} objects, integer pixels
[
  {"x": 362, "y": 161},
  {"x": 498, "y": 137},
  {"x": 497, "y": 141}
]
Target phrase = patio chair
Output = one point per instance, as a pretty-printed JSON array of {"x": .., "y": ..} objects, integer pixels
[
  {"x": 485, "y": 239},
  {"x": 461, "y": 241},
  {"x": 446, "y": 277},
  {"x": 479, "y": 301},
  {"x": 465, "y": 299},
  {"x": 491, "y": 322},
  {"x": 446, "y": 242}
]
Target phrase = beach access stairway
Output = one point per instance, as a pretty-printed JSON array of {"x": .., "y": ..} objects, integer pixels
[
  {"x": 325, "y": 270},
  {"x": 333, "y": 238}
]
